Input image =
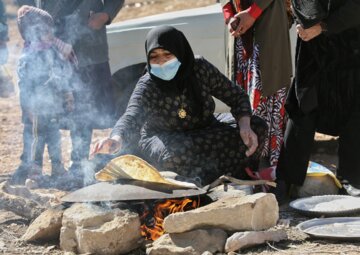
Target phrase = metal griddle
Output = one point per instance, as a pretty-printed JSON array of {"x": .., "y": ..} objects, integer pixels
[{"x": 129, "y": 190}]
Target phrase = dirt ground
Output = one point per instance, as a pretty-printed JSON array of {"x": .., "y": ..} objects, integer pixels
[{"x": 12, "y": 226}]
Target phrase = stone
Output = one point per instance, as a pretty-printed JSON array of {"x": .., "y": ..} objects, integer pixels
[
  {"x": 40, "y": 196},
  {"x": 46, "y": 227},
  {"x": 254, "y": 212},
  {"x": 197, "y": 242},
  {"x": 243, "y": 240},
  {"x": 87, "y": 228},
  {"x": 21, "y": 206}
]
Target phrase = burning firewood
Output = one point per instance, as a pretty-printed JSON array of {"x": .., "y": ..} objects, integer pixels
[{"x": 152, "y": 215}]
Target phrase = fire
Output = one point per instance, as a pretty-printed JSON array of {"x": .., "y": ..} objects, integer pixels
[{"x": 153, "y": 218}]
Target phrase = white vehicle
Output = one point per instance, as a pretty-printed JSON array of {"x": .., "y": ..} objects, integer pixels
[{"x": 203, "y": 27}]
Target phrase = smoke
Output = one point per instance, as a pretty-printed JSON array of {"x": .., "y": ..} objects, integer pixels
[
  {"x": 45, "y": 80},
  {"x": 46, "y": 83}
]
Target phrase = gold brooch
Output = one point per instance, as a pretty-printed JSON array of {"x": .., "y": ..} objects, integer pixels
[{"x": 182, "y": 113}]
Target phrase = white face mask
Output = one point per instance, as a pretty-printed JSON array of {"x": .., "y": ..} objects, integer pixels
[{"x": 166, "y": 71}]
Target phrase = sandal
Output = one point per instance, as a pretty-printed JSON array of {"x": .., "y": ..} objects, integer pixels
[{"x": 348, "y": 189}]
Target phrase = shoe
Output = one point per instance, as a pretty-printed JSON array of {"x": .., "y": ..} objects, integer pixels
[
  {"x": 68, "y": 182},
  {"x": 76, "y": 169},
  {"x": 20, "y": 175},
  {"x": 39, "y": 182},
  {"x": 348, "y": 189},
  {"x": 58, "y": 170},
  {"x": 35, "y": 171}
]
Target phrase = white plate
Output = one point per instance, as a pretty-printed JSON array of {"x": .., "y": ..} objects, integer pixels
[
  {"x": 328, "y": 205},
  {"x": 343, "y": 228}
]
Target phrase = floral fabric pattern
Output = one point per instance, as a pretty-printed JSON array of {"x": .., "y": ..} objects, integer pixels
[{"x": 271, "y": 108}]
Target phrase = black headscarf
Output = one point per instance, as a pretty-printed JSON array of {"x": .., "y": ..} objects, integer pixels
[{"x": 173, "y": 40}]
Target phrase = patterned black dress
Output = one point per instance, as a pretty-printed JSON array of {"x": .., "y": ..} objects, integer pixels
[{"x": 204, "y": 146}]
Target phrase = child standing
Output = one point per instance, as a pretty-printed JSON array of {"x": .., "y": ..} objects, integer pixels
[{"x": 45, "y": 93}]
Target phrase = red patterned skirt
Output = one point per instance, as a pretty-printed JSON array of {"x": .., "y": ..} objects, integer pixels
[{"x": 270, "y": 108}]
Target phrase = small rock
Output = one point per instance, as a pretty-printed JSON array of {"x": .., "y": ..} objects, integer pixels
[
  {"x": 195, "y": 242},
  {"x": 243, "y": 240},
  {"x": 46, "y": 227}
]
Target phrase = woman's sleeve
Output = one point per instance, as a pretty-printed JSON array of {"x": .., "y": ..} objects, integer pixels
[
  {"x": 129, "y": 125},
  {"x": 255, "y": 10},
  {"x": 226, "y": 91},
  {"x": 263, "y": 4},
  {"x": 347, "y": 16},
  {"x": 228, "y": 11}
]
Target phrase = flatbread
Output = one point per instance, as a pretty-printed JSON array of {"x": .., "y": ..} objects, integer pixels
[{"x": 134, "y": 168}]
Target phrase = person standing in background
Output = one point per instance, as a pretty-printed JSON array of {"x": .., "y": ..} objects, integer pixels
[
  {"x": 259, "y": 60},
  {"x": 324, "y": 96},
  {"x": 82, "y": 24},
  {"x": 45, "y": 94}
]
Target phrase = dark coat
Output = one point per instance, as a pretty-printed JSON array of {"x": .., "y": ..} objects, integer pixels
[{"x": 326, "y": 68}]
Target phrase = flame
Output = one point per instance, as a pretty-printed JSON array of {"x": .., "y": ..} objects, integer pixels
[{"x": 152, "y": 227}]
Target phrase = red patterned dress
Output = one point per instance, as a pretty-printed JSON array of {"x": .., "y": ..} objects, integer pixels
[{"x": 270, "y": 108}]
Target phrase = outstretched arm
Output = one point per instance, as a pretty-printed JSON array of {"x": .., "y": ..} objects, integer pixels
[{"x": 127, "y": 128}]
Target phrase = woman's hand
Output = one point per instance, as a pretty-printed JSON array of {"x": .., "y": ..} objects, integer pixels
[
  {"x": 309, "y": 33},
  {"x": 98, "y": 20},
  {"x": 248, "y": 136},
  {"x": 246, "y": 22},
  {"x": 233, "y": 25},
  {"x": 107, "y": 146}
]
